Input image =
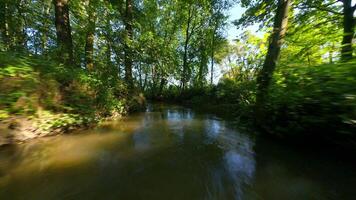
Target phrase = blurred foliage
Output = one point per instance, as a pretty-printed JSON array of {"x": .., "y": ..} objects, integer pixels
[
  {"x": 319, "y": 100},
  {"x": 30, "y": 83}
]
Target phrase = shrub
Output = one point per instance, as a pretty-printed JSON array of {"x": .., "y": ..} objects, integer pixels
[
  {"x": 318, "y": 101},
  {"x": 29, "y": 83}
]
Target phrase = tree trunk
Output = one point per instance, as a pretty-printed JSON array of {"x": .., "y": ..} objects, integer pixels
[
  {"x": 203, "y": 64},
  {"x": 63, "y": 30},
  {"x": 145, "y": 81},
  {"x": 163, "y": 82},
  {"x": 128, "y": 39},
  {"x": 20, "y": 35},
  {"x": 12, "y": 25},
  {"x": 108, "y": 53},
  {"x": 140, "y": 75},
  {"x": 185, "y": 55},
  {"x": 4, "y": 26},
  {"x": 212, "y": 57},
  {"x": 89, "y": 41},
  {"x": 276, "y": 41},
  {"x": 349, "y": 26},
  {"x": 45, "y": 25},
  {"x": 153, "y": 85}
]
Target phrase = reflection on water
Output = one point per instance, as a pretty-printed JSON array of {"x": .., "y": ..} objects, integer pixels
[{"x": 168, "y": 153}]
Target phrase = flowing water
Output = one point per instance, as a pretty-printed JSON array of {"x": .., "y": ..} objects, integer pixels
[{"x": 170, "y": 152}]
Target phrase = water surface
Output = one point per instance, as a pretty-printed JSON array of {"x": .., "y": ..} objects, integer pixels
[{"x": 170, "y": 152}]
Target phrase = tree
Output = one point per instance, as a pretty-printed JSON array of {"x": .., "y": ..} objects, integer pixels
[
  {"x": 45, "y": 24},
  {"x": 4, "y": 25},
  {"x": 273, "y": 52},
  {"x": 89, "y": 42},
  {"x": 312, "y": 38},
  {"x": 12, "y": 25},
  {"x": 217, "y": 21},
  {"x": 349, "y": 29},
  {"x": 333, "y": 9},
  {"x": 63, "y": 31},
  {"x": 128, "y": 40},
  {"x": 188, "y": 34}
]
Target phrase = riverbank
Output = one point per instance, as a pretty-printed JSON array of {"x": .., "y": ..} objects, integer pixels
[
  {"x": 305, "y": 103},
  {"x": 40, "y": 97},
  {"x": 19, "y": 129},
  {"x": 244, "y": 117}
]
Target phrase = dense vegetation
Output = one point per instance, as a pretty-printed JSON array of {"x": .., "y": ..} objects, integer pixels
[{"x": 79, "y": 61}]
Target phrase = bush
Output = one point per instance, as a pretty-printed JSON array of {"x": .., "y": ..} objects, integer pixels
[
  {"x": 30, "y": 83},
  {"x": 316, "y": 101}
]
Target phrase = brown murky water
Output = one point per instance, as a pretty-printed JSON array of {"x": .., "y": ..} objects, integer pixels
[{"x": 170, "y": 152}]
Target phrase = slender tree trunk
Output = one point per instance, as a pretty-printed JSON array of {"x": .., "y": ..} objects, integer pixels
[
  {"x": 20, "y": 35},
  {"x": 203, "y": 63},
  {"x": 163, "y": 82},
  {"x": 140, "y": 75},
  {"x": 89, "y": 41},
  {"x": 12, "y": 24},
  {"x": 4, "y": 26},
  {"x": 117, "y": 52},
  {"x": 349, "y": 30},
  {"x": 108, "y": 41},
  {"x": 276, "y": 41},
  {"x": 108, "y": 53},
  {"x": 153, "y": 86},
  {"x": 145, "y": 81},
  {"x": 127, "y": 48},
  {"x": 63, "y": 30},
  {"x": 45, "y": 25},
  {"x": 212, "y": 57},
  {"x": 185, "y": 55}
]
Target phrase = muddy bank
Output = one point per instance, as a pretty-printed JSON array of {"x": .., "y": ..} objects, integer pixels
[{"x": 21, "y": 129}]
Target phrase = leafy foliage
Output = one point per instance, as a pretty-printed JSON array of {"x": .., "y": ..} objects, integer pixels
[
  {"x": 30, "y": 83},
  {"x": 314, "y": 100}
]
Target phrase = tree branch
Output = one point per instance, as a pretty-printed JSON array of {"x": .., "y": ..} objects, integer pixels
[{"x": 319, "y": 8}]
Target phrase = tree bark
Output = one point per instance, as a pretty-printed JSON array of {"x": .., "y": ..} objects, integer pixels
[
  {"x": 63, "y": 31},
  {"x": 89, "y": 40},
  {"x": 128, "y": 40},
  {"x": 4, "y": 26},
  {"x": 185, "y": 54},
  {"x": 276, "y": 40},
  {"x": 349, "y": 30}
]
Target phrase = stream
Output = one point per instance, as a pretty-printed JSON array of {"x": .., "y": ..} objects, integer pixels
[{"x": 170, "y": 152}]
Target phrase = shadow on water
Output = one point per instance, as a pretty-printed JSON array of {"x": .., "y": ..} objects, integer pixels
[{"x": 168, "y": 152}]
